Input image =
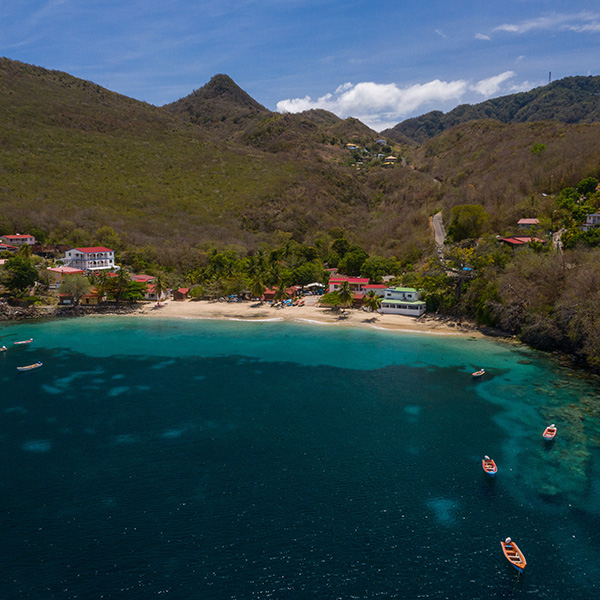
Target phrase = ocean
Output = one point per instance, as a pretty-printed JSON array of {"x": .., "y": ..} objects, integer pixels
[{"x": 200, "y": 459}]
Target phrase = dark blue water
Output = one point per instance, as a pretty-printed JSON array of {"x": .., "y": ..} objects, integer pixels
[{"x": 198, "y": 459}]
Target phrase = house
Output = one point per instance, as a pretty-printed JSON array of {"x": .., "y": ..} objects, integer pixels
[
  {"x": 153, "y": 296},
  {"x": 390, "y": 160},
  {"x": 269, "y": 294},
  {"x": 351, "y": 146},
  {"x": 355, "y": 283},
  {"x": 56, "y": 275},
  {"x": 591, "y": 222},
  {"x": 181, "y": 294},
  {"x": 528, "y": 223},
  {"x": 521, "y": 240},
  {"x": 18, "y": 239},
  {"x": 143, "y": 278},
  {"x": 378, "y": 288},
  {"x": 402, "y": 301},
  {"x": 7, "y": 248},
  {"x": 91, "y": 299},
  {"x": 97, "y": 258},
  {"x": 381, "y": 142}
]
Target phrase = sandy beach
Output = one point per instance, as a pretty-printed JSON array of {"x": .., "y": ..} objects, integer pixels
[{"x": 309, "y": 313}]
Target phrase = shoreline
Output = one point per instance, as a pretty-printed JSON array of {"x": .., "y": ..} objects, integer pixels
[{"x": 310, "y": 314}]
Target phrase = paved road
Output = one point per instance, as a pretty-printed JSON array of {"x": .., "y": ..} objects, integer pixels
[{"x": 439, "y": 232}]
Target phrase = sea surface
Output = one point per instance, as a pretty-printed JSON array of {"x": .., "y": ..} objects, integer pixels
[{"x": 191, "y": 459}]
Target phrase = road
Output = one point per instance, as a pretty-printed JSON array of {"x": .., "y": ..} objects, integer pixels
[{"x": 439, "y": 231}]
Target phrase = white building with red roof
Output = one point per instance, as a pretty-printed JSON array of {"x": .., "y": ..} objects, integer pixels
[
  {"x": 18, "y": 239},
  {"x": 96, "y": 258},
  {"x": 356, "y": 283},
  {"x": 56, "y": 275}
]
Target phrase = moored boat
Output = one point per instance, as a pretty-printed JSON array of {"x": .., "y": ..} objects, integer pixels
[
  {"x": 489, "y": 466},
  {"x": 3, "y": 349},
  {"x": 24, "y": 342},
  {"x": 479, "y": 373},
  {"x": 549, "y": 432},
  {"x": 513, "y": 554},
  {"x": 36, "y": 365}
]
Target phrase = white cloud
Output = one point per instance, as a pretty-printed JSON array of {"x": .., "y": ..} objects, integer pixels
[
  {"x": 581, "y": 22},
  {"x": 481, "y": 36},
  {"x": 382, "y": 105},
  {"x": 491, "y": 85}
]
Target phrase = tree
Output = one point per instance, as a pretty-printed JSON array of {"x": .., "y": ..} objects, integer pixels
[
  {"x": 372, "y": 301},
  {"x": 345, "y": 294},
  {"x": 75, "y": 286},
  {"x": 467, "y": 221},
  {"x": 257, "y": 287},
  {"x": 160, "y": 288},
  {"x": 19, "y": 273}
]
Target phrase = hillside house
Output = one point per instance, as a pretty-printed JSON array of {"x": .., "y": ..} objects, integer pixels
[
  {"x": 351, "y": 146},
  {"x": 7, "y": 248},
  {"x": 56, "y": 275},
  {"x": 18, "y": 239},
  {"x": 591, "y": 222},
  {"x": 521, "y": 240},
  {"x": 528, "y": 223},
  {"x": 97, "y": 258},
  {"x": 402, "y": 301},
  {"x": 153, "y": 296}
]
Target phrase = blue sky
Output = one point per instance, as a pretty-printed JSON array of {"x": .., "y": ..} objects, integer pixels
[{"x": 381, "y": 62}]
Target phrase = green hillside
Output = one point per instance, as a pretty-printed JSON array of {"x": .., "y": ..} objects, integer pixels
[{"x": 570, "y": 100}]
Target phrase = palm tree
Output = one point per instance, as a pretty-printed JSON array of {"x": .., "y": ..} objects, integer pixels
[
  {"x": 372, "y": 301},
  {"x": 345, "y": 294},
  {"x": 257, "y": 287},
  {"x": 160, "y": 288}
]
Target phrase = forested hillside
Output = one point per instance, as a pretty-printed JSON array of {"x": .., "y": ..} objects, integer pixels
[{"x": 569, "y": 100}]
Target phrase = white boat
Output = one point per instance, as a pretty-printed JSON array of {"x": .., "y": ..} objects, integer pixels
[
  {"x": 3, "y": 349},
  {"x": 24, "y": 342},
  {"x": 36, "y": 365}
]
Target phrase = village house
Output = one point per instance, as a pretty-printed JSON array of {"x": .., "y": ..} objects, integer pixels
[
  {"x": 56, "y": 275},
  {"x": 181, "y": 294},
  {"x": 7, "y": 248},
  {"x": 356, "y": 283},
  {"x": 521, "y": 240},
  {"x": 153, "y": 296},
  {"x": 97, "y": 258},
  {"x": 402, "y": 301},
  {"x": 528, "y": 223},
  {"x": 18, "y": 239},
  {"x": 591, "y": 222}
]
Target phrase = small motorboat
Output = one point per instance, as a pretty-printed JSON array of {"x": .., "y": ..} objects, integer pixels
[
  {"x": 36, "y": 365},
  {"x": 513, "y": 554},
  {"x": 24, "y": 342},
  {"x": 3, "y": 349},
  {"x": 489, "y": 466},
  {"x": 479, "y": 373},
  {"x": 549, "y": 432}
]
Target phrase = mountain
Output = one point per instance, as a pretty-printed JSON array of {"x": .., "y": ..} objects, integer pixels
[
  {"x": 77, "y": 160},
  {"x": 569, "y": 100}
]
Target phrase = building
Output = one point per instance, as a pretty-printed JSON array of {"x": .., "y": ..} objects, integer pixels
[
  {"x": 152, "y": 295},
  {"x": 591, "y": 222},
  {"x": 402, "y": 301},
  {"x": 356, "y": 283},
  {"x": 7, "y": 248},
  {"x": 181, "y": 294},
  {"x": 56, "y": 275},
  {"x": 528, "y": 223},
  {"x": 97, "y": 258},
  {"x": 521, "y": 240},
  {"x": 18, "y": 239}
]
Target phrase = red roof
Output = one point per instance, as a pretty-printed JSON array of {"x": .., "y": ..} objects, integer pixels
[
  {"x": 65, "y": 270},
  {"x": 518, "y": 240},
  {"x": 17, "y": 236},
  {"x": 143, "y": 278},
  {"x": 94, "y": 249},
  {"x": 342, "y": 278},
  {"x": 183, "y": 290}
]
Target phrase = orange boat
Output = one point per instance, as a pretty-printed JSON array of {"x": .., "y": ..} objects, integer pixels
[
  {"x": 513, "y": 554},
  {"x": 489, "y": 466},
  {"x": 549, "y": 432},
  {"x": 479, "y": 373}
]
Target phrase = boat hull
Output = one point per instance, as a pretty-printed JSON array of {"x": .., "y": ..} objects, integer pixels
[{"x": 514, "y": 556}]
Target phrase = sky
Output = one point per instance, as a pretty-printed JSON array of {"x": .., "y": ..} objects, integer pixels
[{"x": 381, "y": 62}]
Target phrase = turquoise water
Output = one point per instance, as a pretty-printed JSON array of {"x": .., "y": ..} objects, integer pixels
[{"x": 211, "y": 459}]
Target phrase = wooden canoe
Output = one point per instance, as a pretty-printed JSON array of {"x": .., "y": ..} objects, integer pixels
[
  {"x": 489, "y": 466},
  {"x": 549, "y": 432},
  {"x": 36, "y": 365},
  {"x": 514, "y": 555}
]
